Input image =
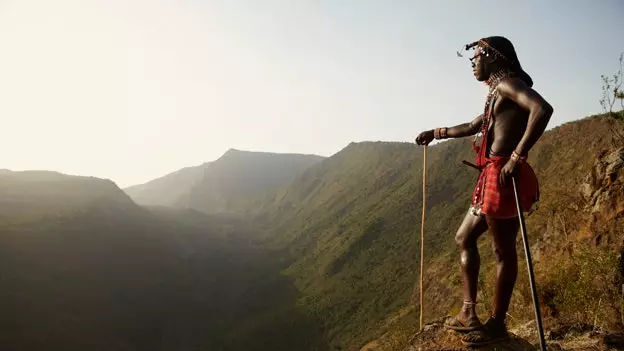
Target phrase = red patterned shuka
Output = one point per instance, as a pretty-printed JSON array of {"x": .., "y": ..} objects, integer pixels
[{"x": 491, "y": 199}]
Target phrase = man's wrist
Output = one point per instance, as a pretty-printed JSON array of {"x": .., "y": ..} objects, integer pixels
[
  {"x": 440, "y": 133},
  {"x": 515, "y": 156}
]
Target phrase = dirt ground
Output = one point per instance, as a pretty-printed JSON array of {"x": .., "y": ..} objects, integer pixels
[{"x": 434, "y": 337}]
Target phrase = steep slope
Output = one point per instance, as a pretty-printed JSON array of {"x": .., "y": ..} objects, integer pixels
[
  {"x": 351, "y": 226},
  {"x": 229, "y": 182},
  {"x": 109, "y": 275},
  {"x": 352, "y": 222},
  {"x": 169, "y": 189}
]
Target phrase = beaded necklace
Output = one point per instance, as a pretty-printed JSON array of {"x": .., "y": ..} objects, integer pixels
[{"x": 492, "y": 82}]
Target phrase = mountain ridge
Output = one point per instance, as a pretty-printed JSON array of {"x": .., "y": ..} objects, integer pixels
[
  {"x": 167, "y": 189},
  {"x": 223, "y": 184},
  {"x": 34, "y": 195}
]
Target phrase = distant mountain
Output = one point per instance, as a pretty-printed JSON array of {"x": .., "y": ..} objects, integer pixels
[
  {"x": 169, "y": 190},
  {"x": 34, "y": 195},
  {"x": 225, "y": 184}
]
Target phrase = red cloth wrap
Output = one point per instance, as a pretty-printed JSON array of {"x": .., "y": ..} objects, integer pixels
[{"x": 490, "y": 199}]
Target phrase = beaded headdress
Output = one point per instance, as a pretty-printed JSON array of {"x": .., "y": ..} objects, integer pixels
[{"x": 501, "y": 48}]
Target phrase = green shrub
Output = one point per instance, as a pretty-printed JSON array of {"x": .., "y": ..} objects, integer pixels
[{"x": 586, "y": 289}]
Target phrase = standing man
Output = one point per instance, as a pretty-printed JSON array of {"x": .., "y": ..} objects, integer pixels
[{"x": 514, "y": 118}]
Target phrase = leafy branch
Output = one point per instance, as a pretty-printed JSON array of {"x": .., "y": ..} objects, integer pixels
[
  {"x": 612, "y": 89},
  {"x": 611, "y": 92}
]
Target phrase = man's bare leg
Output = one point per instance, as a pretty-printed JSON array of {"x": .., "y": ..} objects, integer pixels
[
  {"x": 504, "y": 233},
  {"x": 469, "y": 231}
]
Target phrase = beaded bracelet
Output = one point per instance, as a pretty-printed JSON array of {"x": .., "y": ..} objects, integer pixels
[
  {"x": 439, "y": 133},
  {"x": 517, "y": 158}
]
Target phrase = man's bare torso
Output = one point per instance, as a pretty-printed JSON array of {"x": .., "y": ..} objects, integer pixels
[{"x": 507, "y": 127}]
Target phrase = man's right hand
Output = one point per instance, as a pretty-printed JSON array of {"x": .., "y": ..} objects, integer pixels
[{"x": 424, "y": 138}]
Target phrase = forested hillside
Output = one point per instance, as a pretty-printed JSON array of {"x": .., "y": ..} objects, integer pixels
[{"x": 352, "y": 226}]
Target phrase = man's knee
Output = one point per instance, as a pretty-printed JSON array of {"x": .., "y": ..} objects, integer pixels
[
  {"x": 504, "y": 238},
  {"x": 469, "y": 231},
  {"x": 505, "y": 252},
  {"x": 464, "y": 241}
]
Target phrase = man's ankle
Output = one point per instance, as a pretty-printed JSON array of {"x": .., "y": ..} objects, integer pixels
[
  {"x": 467, "y": 312},
  {"x": 468, "y": 308},
  {"x": 497, "y": 318}
]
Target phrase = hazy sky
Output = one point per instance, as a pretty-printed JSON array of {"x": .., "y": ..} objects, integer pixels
[{"x": 133, "y": 89}]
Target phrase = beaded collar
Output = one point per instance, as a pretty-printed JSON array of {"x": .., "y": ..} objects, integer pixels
[{"x": 492, "y": 82}]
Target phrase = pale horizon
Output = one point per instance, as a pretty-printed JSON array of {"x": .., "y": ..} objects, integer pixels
[{"x": 133, "y": 90}]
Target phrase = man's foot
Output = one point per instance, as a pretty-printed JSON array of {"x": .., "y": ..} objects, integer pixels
[
  {"x": 465, "y": 321},
  {"x": 493, "y": 331}
]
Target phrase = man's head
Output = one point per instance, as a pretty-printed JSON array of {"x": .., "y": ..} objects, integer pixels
[{"x": 493, "y": 54}]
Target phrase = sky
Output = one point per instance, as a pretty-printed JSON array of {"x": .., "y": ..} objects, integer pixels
[{"x": 131, "y": 90}]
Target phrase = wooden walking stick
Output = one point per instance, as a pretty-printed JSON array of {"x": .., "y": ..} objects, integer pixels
[
  {"x": 527, "y": 253},
  {"x": 422, "y": 233}
]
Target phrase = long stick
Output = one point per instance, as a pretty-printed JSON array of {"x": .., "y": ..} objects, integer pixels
[
  {"x": 471, "y": 165},
  {"x": 527, "y": 252},
  {"x": 422, "y": 233}
]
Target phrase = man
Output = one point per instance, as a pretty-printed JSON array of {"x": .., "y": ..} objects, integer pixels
[{"x": 514, "y": 118}]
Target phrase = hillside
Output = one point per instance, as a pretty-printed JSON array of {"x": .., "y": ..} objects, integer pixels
[
  {"x": 35, "y": 195},
  {"x": 351, "y": 224},
  {"x": 93, "y": 271},
  {"x": 226, "y": 184}
]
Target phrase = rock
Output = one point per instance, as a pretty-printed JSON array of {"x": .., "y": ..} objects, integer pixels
[
  {"x": 614, "y": 161},
  {"x": 603, "y": 200},
  {"x": 587, "y": 190},
  {"x": 615, "y": 340},
  {"x": 429, "y": 328},
  {"x": 554, "y": 347},
  {"x": 595, "y": 187},
  {"x": 523, "y": 337},
  {"x": 435, "y": 337}
]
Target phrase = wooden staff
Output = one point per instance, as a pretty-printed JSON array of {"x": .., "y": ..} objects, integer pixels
[
  {"x": 422, "y": 233},
  {"x": 527, "y": 253}
]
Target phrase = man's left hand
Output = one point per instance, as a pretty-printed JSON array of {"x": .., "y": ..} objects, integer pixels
[{"x": 509, "y": 170}]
